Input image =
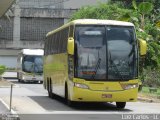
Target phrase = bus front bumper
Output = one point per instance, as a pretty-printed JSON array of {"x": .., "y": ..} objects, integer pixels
[
  {"x": 32, "y": 78},
  {"x": 87, "y": 95}
]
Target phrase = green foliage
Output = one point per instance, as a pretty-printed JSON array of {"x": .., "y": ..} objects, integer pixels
[
  {"x": 134, "y": 4},
  {"x": 145, "y": 7},
  {"x": 146, "y": 90},
  {"x": 152, "y": 77},
  {"x": 101, "y": 11},
  {"x": 153, "y": 56},
  {"x": 2, "y": 69}
]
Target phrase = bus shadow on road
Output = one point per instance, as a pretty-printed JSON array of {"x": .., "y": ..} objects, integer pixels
[
  {"x": 94, "y": 106},
  {"x": 29, "y": 82},
  {"x": 59, "y": 104}
]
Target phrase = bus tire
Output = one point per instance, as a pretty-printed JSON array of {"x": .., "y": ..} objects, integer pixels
[
  {"x": 18, "y": 77},
  {"x": 121, "y": 105},
  {"x": 49, "y": 89},
  {"x": 19, "y": 80},
  {"x": 68, "y": 102}
]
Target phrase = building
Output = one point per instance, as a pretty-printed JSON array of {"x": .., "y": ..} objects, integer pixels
[{"x": 29, "y": 23}]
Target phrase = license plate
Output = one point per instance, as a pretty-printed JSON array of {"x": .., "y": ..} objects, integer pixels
[
  {"x": 33, "y": 78},
  {"x": 106, "y": 95}
]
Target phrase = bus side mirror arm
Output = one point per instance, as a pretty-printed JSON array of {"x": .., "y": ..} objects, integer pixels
[
  {"x": 142, "y": 47},
  {"x": 70, "y": 47}
]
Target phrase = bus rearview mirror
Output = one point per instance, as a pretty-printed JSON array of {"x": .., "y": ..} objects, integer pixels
[
  {"x": 70, "y": 47},
  {"x": 142, "y": 47}
]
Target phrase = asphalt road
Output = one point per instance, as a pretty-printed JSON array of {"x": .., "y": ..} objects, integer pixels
[
  {"x": 31, "y": 101},
  {"x": 92, "y": 117}
]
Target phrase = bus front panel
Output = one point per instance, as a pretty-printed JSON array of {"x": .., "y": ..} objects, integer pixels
[{"x": 96, "y": 91}]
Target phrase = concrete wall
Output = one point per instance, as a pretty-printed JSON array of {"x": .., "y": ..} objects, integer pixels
[
  {"x": 35, "y": 29},
  {"x": 6, "y": 33},
  {"x": 31, "y": 20},
  {"x": 52, "y": 4},
  {"x": 9, "y": 57},
  {"x": 9, "y": 61},
  {"x": 74, "y": 4}
]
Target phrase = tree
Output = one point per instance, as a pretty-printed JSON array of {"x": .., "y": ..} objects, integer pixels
[
  {"x": 101, "y": 11},
  {"x": 144, "y": 8}
]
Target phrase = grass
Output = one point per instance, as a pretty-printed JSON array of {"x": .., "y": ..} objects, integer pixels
[
  {"x": 145, "y": 92},
  {"x": 4, "y": 83}
]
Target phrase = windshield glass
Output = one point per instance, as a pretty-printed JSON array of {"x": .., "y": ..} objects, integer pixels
[
  {"x": 105, "y": 52},
  {"x": 122, "y": 59},
  {"x": 33, "y": 64},
  {"x": 91, "y": 52}
]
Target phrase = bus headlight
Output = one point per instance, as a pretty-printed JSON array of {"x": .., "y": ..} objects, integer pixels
[
  {"x": 23, "y": 77},
  {"x": 79, "y": 85},
  {"x": 129, "y": 86}
]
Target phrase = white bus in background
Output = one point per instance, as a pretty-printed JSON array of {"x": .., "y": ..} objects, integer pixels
[{"x": 30, "y": 65}]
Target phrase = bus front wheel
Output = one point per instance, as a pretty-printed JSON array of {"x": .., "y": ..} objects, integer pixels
[
  {"x": 68, "y": 102},
  {"x": 121, "y": 105},
  {"x": 19, "y": 80}
]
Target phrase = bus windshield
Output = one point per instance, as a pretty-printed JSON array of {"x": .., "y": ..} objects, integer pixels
[
  {"x": 105, "y": 52},
  {"x": 32, "y": 64}
]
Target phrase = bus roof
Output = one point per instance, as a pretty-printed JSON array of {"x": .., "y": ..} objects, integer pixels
[
  {"x": 92, "y": 22},
  {"x": 32, "y": 51},
  {"x": 102, "y": 22}
]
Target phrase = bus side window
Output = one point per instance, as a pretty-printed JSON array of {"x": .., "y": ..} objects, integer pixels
[
  {"x": 46, "y": 46},
  {"x": 58, "y": 42},
  {"x": 71, "y": 29},
  {"x": 54, "y": 44},
  {"x": 52, "y": 48},
  {"x": 49, "y": 45},
  {"x": 65, "y": 38},
  {"x": 61, "y": 42}
]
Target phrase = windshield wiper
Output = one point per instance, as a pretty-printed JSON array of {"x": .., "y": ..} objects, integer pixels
[
  {"x": 115, "y": 67},
  {"x": 119, "y": 74},
  {"x": 96, "y": 68}
]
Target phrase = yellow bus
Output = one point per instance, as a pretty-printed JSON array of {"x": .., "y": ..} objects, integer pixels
[{"x": 90, "y": 60}]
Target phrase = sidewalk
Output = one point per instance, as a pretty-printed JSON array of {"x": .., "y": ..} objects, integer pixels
[
  {"x": 10, "y": 74},
  {"x": 5, "y": 113},
  {"x": 144, "y": 98},
  {"x": 3, "y": 108}
]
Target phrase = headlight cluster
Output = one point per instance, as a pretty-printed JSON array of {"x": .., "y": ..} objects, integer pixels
[
  {"x": 129, "y": 86},
  {"x": 80, "y": 85}
]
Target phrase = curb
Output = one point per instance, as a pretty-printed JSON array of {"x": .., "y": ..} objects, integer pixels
[
  {"x": 10, "y": 77},
  {"x": 14, "y": 86},
  {"x": 10, "y": 115},
  {"x": 145, "y": 99}
]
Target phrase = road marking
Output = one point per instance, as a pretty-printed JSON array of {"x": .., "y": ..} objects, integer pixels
[
  {"x": 12, "y": 111},
  {"x": 85, "y": 112}
]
